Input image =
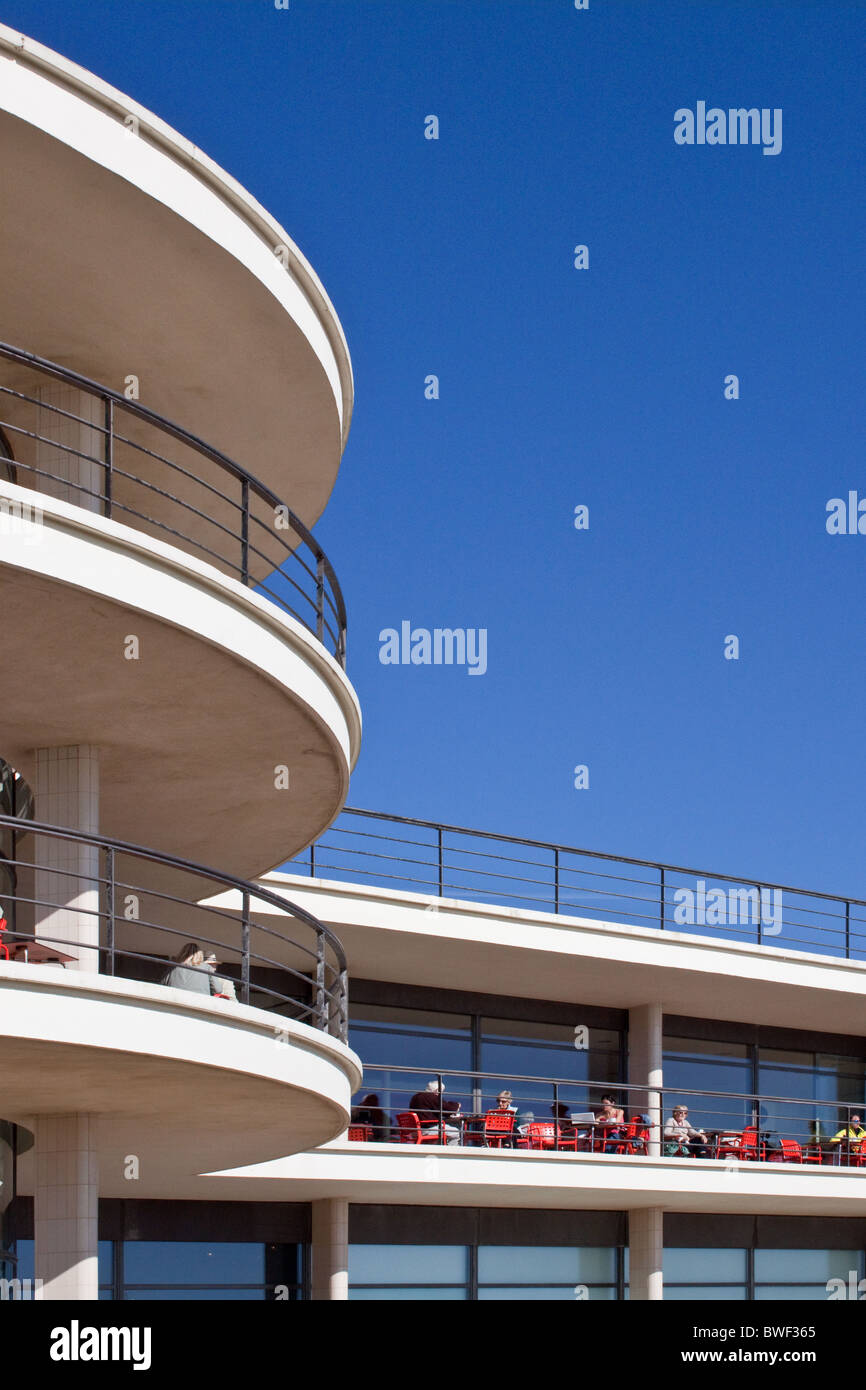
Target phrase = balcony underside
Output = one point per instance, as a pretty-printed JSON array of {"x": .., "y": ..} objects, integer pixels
[
  {"x": 425, "y": 1175},
  {"x": 224, "y": 692},
  {"x": 183, "y": 1082},
  {"x": 166, "y": 271}
]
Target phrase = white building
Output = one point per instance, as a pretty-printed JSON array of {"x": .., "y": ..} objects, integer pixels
[{"x": 175, "y": 395}]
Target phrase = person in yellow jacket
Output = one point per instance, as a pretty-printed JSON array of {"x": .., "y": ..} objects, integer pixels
[{"x": 853, "y": 1133}]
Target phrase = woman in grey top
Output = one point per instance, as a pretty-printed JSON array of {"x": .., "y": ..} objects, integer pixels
[{"x": 189, "y": 971}]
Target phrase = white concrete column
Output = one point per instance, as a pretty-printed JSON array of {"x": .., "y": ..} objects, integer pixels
[
  {"x": 645, "y": 1067},
  {"x": 330, "y": 1249},
  {"x": 645, "y": 1251},
  {"x": 66, "y": 1207},
  {"x": 66, "y": 792},
  {"x": 76, "y": 444}
]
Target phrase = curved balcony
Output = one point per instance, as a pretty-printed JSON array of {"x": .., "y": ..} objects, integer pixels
[
  {"x": 121, "y": 526},
  {"x": 167, "y": 268},
  {"x": 191, "y": 1067},
  {"x": 111, "y": 455}
]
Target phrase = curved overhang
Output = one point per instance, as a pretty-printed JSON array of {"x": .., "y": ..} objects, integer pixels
[
  {"x": 226, "y": 731},
  {"x": 184, "y": 1082},
  {"x": 167, "y": 270}
]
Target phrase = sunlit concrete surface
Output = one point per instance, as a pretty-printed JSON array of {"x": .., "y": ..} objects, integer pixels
[
  {"x": 406, "y": 937},
  {"x": 226, "y": 688},
  {"x": 126, "y": 250},
  {"x": 432, "y": 1176},
  {"x": 183, "y": 1082}
]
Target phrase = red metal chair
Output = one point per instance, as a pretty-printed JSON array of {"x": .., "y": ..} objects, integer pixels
[
  {"x": 635, "y": 1138},
  {"x": 742, "y": 1146},
  {"x": 498, "y": 1126},
  {"x": 792, "y": 1151},
  {"x": 4, "y": 949},
  {"x": 410, "y": 1131},
  {"x": 547, "y": 1134},
  {"x": 360, "y": 1134},
  {"x": 541, "y": 1134}
]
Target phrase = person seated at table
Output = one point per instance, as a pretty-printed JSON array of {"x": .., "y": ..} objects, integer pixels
[
  {"x": 681, "y": 1137},
  {"x": 564, "y": 1128},
  {"x": 853, "y": 1133},
  {"x": 370, "y": 1114},
  {"x": 423, "y": 1102},
  {"x": 609, "y": 1120},
  {"x": 505, "y": 1106},
  {"x": 188, "y": 971}
]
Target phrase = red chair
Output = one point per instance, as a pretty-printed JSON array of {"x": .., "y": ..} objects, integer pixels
[
  {"x": 4, "y": 949},
  {"x": 792, "y": 1152},
  {"x": 541, "y": 1134},
  {"x": 498, "y": 1126},
  {"x": 742, "y": 1146},
  {"x": 410, "y": 1131},
  {"x": 812, "y": 1154},
  {"x": 360, "y": 1134},
  {"x": 547, "y": 1134},
  {"x": 635, "y": 1138}
]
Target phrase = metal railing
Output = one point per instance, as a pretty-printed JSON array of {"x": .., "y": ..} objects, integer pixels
[
  {"x": 479, "y": 866},
  {"x": 562, "y": 1107},
  {"x": 113, "y": 459},
  {"x": 121, "y": 909}
]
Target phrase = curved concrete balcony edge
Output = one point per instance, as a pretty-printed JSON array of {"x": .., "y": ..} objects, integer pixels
[
  {"x": 109, "y": 100},
  {"x": 247, "y": 653},
  {"x": 179, "y": 1079}
]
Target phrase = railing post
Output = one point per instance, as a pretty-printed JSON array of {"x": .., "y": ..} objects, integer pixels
[
  {"x": 760, "y": 915},
  {"x": 312, "y": 861},
  {"x": 320, "y": 597},
  {"x": 321, "y": 997},
  {"x": 245, "y": 947},
  {"x": 109, "y": 909},
  {"x": 556, "y": 880},
  {"x": 343, "y": 1016},
  {"x": 245, "y": 531},
  {"x": 847, "y": 930},
  {"x": 441, "y": 1117},
  {"x": 556, "y": 1113},
  {"x": 441, "y": 862},
  {"x": 108, "y": 450},
  {"x": 662, "y": 899}
]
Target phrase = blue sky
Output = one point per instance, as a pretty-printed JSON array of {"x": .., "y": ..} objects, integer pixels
[{"x": 560, "y": 387}]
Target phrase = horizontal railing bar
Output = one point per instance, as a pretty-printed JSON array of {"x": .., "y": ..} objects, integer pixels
[{"x": 599, "y": 854}]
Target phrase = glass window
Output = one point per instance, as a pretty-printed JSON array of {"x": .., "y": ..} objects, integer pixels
[
  {"x": 804, "y": 1266},
  {"x": 433, "y": 1042},
  {"x": 425, "y": 1295},
  {"x": 512, "y": 1047},
  {"x": 696, "y": 1292},
  {"x": 224, "y": 1293},
  {"x": 193, "y": 1262},
  {"x": 700, "y": 1266},
  {"x": 692, "y": 1065},
  {"x": 530, "y": 1264},
  {"x": 408, "y": 1264},
  {"x": 558, "y": 1294},
  {"x": 105, "y": 1254},
  {"x": 789, "y": 1293}
]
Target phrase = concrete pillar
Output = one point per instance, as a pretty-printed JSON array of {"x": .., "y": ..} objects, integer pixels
[
  {"x": 75, "y": 477},
  {"x": 66, "y": 1207},
  {"x": 645, "y": 1250},
  {"x": 645, "y": 1067},
  {"x": 330, "y": 1249},
  {"x": 66, "y": 792}
]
